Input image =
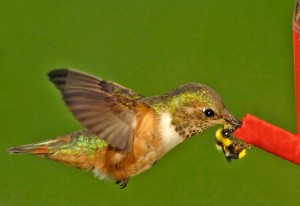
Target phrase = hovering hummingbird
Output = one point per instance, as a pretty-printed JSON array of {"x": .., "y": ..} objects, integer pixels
[{"x": 126, "y": 133}]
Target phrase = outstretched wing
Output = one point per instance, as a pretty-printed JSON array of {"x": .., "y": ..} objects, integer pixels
[{"x": 103, "y": 107}]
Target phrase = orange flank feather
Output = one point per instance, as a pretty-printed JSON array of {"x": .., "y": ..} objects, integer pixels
[{"x": 146, "y": 149}]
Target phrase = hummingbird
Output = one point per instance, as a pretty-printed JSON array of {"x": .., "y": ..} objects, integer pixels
[{"x": 125, "y": 132}]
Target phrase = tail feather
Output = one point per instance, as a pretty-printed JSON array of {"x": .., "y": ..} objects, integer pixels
[
  {"x": 45, "y": 147},
  {"x": 29, "y": 148},
  {"x": 78, "y": 149}
]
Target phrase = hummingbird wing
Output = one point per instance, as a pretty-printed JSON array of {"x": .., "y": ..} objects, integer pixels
[{"x": 103, "y": 107}]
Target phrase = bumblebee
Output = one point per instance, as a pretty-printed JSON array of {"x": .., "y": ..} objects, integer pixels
[{"x": 231, "y": 147}]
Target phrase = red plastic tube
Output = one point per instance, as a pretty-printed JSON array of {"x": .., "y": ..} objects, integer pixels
[
  {"x": 270, "y": 138},
  {"x": 267, "y": 136},
  {"x": 296, "y": 40}
]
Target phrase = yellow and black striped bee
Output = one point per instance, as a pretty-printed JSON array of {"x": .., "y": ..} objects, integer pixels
[{"x": 231, "y": 147}]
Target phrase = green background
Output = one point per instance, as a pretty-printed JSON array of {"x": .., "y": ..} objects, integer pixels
[{"x": 242, "y": 49}]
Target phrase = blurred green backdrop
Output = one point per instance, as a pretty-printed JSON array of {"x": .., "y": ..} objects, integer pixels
[{"x": 243, "y": 49}]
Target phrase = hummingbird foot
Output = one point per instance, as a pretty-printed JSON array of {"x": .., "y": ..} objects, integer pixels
[
  {"x": 123, "y": 182},
  {"x": 154, "y": 163}
]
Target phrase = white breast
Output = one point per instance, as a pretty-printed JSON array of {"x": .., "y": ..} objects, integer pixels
[{"x": 170, "y": 137}]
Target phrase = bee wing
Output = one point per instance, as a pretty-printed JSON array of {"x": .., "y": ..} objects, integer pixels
[{"x": 105, "y": 108}]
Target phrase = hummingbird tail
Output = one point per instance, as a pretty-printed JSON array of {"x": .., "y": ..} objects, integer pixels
[
  {"x": 78, "y": 149},
  {"x": 29, "y": 148},
  {"x": 41, "y": 148}
]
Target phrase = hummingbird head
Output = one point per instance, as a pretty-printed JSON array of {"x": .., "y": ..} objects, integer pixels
[{"x": 195, "y": 107}]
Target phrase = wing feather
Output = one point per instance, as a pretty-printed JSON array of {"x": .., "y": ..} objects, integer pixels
[{"x": 104, "y": 108}]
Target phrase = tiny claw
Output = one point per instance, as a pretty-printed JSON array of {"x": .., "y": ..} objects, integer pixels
[
  {"x": 154, "y": 163},
  {"x": 123, "y": 182}
]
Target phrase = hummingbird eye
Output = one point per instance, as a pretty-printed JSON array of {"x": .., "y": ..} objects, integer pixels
[{"x": 208, "y": 112}]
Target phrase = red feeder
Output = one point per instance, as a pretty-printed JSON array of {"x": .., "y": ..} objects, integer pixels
[{"x": 267, "y": 136}]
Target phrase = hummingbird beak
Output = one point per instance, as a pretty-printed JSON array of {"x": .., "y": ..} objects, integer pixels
[
  {"x": 234, "y": 122},
  {"x": 231, "y": 122}
]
